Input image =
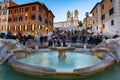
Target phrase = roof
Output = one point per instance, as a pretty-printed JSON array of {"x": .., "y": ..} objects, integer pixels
[
  {"x": 27, "y": 4},
  {"x": 95, "y": 7},
  {"x": 51, "y": 13}
]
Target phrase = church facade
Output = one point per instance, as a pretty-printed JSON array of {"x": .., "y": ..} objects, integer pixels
[{"x": 71, "y": 21}]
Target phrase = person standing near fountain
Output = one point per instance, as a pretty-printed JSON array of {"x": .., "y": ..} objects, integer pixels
[
  {"x": 64, "y": 43},
  {"x": 41, "y": 39},
  {"x": 58, "y": 42}
]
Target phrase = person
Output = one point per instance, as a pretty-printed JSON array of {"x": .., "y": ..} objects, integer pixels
[
  {"x": 24, "y": 39},
  {"x": 50, "y": 43},
  {"x": 83, "y": 39},
  {"x": 58, "y": 43},
  {"x": 19, "y": 37},
  {"x": 64, "y": 43},
  {"x": 41, "y": 39}
]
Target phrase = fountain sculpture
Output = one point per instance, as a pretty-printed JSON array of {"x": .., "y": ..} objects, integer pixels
[
  {"x": 106, "y": 58},
  {"x": 62, "y": 50}
]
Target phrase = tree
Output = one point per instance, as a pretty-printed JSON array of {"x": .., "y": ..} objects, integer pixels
[
  {"x": 87, "y": 14},
  {"x": 80, "y": 24}
]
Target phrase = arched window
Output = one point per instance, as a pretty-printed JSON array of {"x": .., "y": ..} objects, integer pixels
[
  {"x": 33, "y": 27},
  {"x": 20, "y": 28},
  {"x": 15, "y": 28},
  {"x": 40, "y": 18},
  {"x": 40, "y": 27},
  {"x": 26, "y": 27},
  {"x": 33, "y": 17},
  {"x": 9, "y": 28}
]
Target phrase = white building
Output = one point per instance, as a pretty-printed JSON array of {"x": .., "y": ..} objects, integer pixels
[{"x": 71, "y": 23}]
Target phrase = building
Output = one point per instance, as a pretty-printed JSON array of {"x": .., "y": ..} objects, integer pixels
[
  {"x": 4, "y": 14},
  {"x": 31, "y": 18},
  {"x": 87, "y": 21},
  {"x": 106, "y": 17},
  {"x": 71, "y": 23}
]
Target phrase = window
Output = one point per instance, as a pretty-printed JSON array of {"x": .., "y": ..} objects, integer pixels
[
  {"x": 33, "y": 8},
  {"x": 0, "y": 7},
  {"x": 112, "y": 22},
  {"x": 15, "y": 28},
  {"x": 33, "y": 27},
  {"x": 26, "y": 28},
  {"x": 68, "y": 16},
  {"x": 103, "y": 6},
  {"x": 111, "y": 11},
  {"x": 10, "y": 11},
  {"x": 5, "y": 6},
  {"x": 97, "y": 27},
  {"x": 16, "y": 10},
  {"x": 0, "y": 13},
  {"x": 111, "y": 0},
  {"x": 40, "y": 18},
  {"x": 40, "y": 9},
  {"x": 33, "y": 17},
  {"x": 20, "y": 28},
  {"x": 46, "y": 21},
  {"x": 46, "y": 14},
  {"x": 103, "y": 16},
  {"x": 103, "y": 26},
  {"x": 20, "y": 18},
  {"x": 9, "y": 19},
  {"x": 26, "y": 9},
  {"x": 3, "y": 20},
  {"x": 9, "y": 28},
  {"x": 40, "y": 27},
  {"x": 3, "y": 28},
  {"x": 4, "y": 12},
  {"x": 21, "y": 10},
  {"x": 15, "y": 19},
  {"x": 93, "y": 14}
]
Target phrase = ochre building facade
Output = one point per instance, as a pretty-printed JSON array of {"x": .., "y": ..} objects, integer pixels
[{"x": 32, "y": 18}]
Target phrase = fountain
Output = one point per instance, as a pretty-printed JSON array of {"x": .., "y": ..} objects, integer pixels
[
  {"x": 62, "y": 62},
  {"x": 62, "y": 50},
  {"x": 59, "y": 62}
]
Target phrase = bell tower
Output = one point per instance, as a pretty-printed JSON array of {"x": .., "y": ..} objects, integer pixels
[
  {"x": 76, "y": 17},
  {"x": 76, "y": 14},
  {"x": 68, "y": 16}
]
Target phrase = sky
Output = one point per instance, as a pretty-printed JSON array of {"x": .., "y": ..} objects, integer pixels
[{"x": 60, "y": 7}]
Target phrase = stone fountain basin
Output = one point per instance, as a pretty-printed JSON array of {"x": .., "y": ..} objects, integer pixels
[
  {"x": 43, "y": 71},
  {"x": 62, "y": 48}
]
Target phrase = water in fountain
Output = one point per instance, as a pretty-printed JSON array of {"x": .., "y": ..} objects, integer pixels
[{"x": 72, "y": 61}]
